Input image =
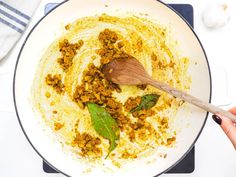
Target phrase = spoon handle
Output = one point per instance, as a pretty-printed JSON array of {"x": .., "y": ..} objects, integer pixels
[{"x": 191, "y": 99}]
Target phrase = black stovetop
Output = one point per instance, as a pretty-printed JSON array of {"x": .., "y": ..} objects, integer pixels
[{"x": 186, "y": 165}]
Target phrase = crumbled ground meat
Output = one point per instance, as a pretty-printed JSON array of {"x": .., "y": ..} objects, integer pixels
[
  {"x": 58, "y": 126},
  {"x": 142, "y": 124},
  {"x": 68, "y": 51},
  {"x": 95, "y": 88},
  {"x": 107, "y": 37},
  {"x": 87, "y": 143},
  {"x": 139, "y": 44},
  {"x": 164, "y": 122},
  {"x": 55, "y": 82},
  {"x": 108, "y": 51},
  {"x": 160, "y": 64},
  {"x": 171, "y": 140},
  {"x": 127, "y": 155},
  {"x": 132, "y": 103},
  {"x": 154, "y": 57},
  {"x": 141, "y": 127},
  {"x": 120, "y": 44},
  {"x": 137, "y": 125},
  {"x": 142, "y": 114},
  {"x": 67, "y": 27}
]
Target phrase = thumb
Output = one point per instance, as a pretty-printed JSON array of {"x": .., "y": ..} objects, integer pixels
[{"x": 228, "y": 127}]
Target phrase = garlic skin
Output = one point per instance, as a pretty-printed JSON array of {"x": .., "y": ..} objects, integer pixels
[{"x": 215, "y": 16}]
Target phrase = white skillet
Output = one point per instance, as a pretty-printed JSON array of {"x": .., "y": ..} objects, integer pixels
[{"x": 190, "y": 119}]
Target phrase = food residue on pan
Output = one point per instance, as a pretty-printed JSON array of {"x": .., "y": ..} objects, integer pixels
[
  {"x": 69, "y": 78},
  {"x": 68, "y": 51}
]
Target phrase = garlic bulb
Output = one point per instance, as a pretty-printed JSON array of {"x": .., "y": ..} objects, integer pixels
[{"x": 216, "y": 15}]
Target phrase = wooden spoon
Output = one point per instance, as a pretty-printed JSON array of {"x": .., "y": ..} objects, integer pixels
[{"x": 131, "y": 72}]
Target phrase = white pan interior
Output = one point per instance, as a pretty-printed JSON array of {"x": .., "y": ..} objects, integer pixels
[{"x": 190, "y": 119}]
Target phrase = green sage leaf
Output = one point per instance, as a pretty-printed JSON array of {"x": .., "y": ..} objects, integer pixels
[{"x": 104, "y": 124}]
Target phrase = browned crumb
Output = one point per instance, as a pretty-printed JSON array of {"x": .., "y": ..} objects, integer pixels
[
  {"x": 120, "y": 44},
  {"x": 55, "y": 82},
  {"x": 137, "y": 125},
  {"x": 58, "y": 126},
  {"x": 127, "y": 155},
  {"x": 88, "y": 144},
  {"x": 164, "y": 122},
  {"x": 139, "y": 44},
  {"x": 171, "y": 140},
  {"x": 140, "y": 130},
  {"x": 48, "y": 95},
  {"x": 163, "y": 33},
  {"x": 107, "y": 37},
  {"x": 54, "y": 112},
  {"x": 67, "y": 27},
  {"x": 131, "y": 135},
  {"x": 108, "y": 51},
  {"x": 171, "y": 64},
  {"x": 159, "y": 64},
  {"x": 68, "y": 51},
  {"x": 94, "y": 87},
  {"x": 154, "y": 57},
  {"x": 52, "y": 103},
  {"x": 93, "y": 57},
  {"x": 181, "y": 102},
  {"x": 143, "y": 114},
  {"x": 132, "y": 103}
]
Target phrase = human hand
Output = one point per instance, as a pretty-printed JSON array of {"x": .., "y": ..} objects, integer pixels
[{"x": 228, "y": 126}]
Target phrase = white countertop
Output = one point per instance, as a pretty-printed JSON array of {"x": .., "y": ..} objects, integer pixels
[{"x": 214, "y": 154}]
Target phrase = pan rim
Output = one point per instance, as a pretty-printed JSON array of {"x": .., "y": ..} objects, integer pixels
[{"x": 19, "y": 120}]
